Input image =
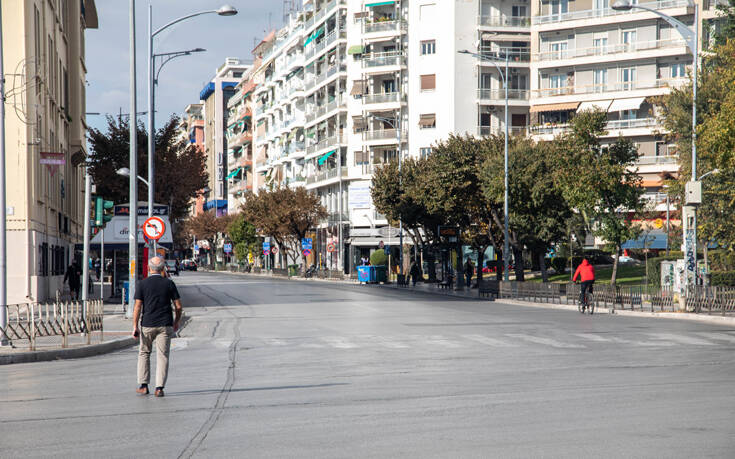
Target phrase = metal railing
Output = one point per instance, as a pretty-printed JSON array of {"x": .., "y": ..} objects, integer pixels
[
  {"x": 383, "y": 59},
  {"x": 484, "y": 131},
  {"x": 384, "y": 26},
  {"x": 499, "y": 94},
  {"x": 383, "y": 134},
  {"x": 614, "y": 124},
  {"x": 515, "y": 54},
  {"x": 657, "y": 160},
  {"x": 504, "y": 21},
  {"x": 326, "y": 175},
  {"x": 609, "y": 49},
  {"x": 30, "y": 321},
  {"x": 381, "y": 98},
  {"x": 604, "y": 12},
  {"x": 611, "y": 87}
]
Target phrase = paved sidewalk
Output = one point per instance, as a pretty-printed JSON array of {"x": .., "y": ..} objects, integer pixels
[{"x": 115, "y": 336}]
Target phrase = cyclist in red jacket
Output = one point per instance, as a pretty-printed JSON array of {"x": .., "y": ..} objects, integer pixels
[{"x": 586, "y": 273}]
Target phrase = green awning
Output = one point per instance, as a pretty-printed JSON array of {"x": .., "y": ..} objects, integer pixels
[
  {"x": 233, "y": 173},
  {"x": 370, "y": 5},
  {"x": 324, "y": 158},
  {"x": 356, "y": 49},
  {"x": 314, "y": 36}
]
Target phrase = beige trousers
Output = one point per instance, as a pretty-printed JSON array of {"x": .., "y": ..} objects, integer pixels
[{"x": 162, "y": 337}]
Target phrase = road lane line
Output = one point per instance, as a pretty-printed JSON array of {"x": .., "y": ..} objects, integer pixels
[
  {"x": 489, "y": 341},
  {"x": 594, "y": 337},
  {"x": 545, "y": 341},
  {"x": 442, "y": 341},
  {"x": 681, "y": 339},
  {"x": 339, "y": 342},
  {"x": 719, "y": 336}
]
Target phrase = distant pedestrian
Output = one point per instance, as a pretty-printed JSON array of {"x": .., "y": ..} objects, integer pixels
[
  {"x": 74, "y": 276},
  {"x": 469, "y": 270},
  {"x": 415, "y": 272},
  {"x": 153, "y": 298}
]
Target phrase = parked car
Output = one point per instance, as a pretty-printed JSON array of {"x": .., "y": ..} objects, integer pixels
[
  {"x": 188, "y": 265},
  {"x": 172, "y": 268}
]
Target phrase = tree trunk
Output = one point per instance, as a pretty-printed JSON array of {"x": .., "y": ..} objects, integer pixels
[
  {"x": 542, "y": 265},
  {"x": 518, "y": 255},
  {"x": 432, "y": 266},
  {"x": 615, "y": 266}
]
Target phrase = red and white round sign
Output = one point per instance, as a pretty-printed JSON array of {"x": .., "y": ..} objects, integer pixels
[{"x": 153, "y": 228}]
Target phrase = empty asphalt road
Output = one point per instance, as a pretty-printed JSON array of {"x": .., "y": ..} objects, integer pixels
[{"x": 276, "y": 368}]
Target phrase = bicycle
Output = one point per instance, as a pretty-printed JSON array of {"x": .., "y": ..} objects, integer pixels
[{"x": 588, "y": 304}]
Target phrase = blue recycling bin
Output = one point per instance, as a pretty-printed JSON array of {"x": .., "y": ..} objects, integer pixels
[
  {"x": 126, "y": 287},
  {"x": 363, "y": 273}
]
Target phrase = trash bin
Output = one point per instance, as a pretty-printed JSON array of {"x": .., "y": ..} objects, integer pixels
[
  {"x": 126, "y": 289},
  {"x": 381, "y": 274},
  {"x": 363, "y": 273}
]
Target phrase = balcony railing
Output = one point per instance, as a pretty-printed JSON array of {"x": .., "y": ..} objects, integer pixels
[
  {"x": 383, "y": 134},
  {"x": 321, "y": 110},
  {"x": 381, "y": 98},
  {"x": 614, "y": 124},
  {"x": 323, "y": 12},
  {"x": 326, "y": 175},
  {"x": 325, "y": 43},
  {"x": 384, "y": 26},
  {"x": 611, "y": 87},
  {"x": 484, "y": 131},
  {"x": 322, "y": 144},
  {"x": 515, "y": 54},
  {"x": 647, "y": 160},
  {"x": 605, "y": 12},
  {"x": 383, "y": 59},
  {"x": 609, "y": 49},
  {"x": 499, "y": 94},
  {"x": 504, "y": 21}
]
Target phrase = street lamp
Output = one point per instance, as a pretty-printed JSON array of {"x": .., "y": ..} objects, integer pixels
[
  {"x": 396, "y": 124},
  {"x": 125, "y": 172},
  {"x": 224, "y": 10},
  {"x": 504, "y": 76},
  {"x": 692, "y": 40}
]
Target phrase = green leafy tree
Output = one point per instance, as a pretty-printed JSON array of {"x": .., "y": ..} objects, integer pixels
[
  {"x": 244, "y": 237},
  {"x": 601, "y": 183},
  {"x": 207, "y": 226}
]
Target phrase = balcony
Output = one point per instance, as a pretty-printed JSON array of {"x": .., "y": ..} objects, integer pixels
[
  {"x": 383, "y": 134},
  {"x": 610, "y": 49},
  {"x": 328, "y": 41},
  {"x": 514, "y": 54},
  {"x": 240, "y": 139},
  {"x": 611, "y": 87},
  {"x": 321, "y": 110},
  {"x": 316, "y": 81},
  {"x": 611, "y": 125},
  {"x": 384, "y": 26},
  {"x": 499, "y": 94},
  {"x": 646, "y": 160},
  {"x": 484, "y": 131},
  {"x": 322, "y": 13},
  {"x": 605, "y": 12},
  {"x": 504, "y": 21},
  {"x": 376, "y": 60},
  {"x": 326, "y": 175},
  {"x": 323, "y": 144},
  {"x": 382, "y": 98}
]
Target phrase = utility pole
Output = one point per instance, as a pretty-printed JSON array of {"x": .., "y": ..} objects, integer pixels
[
  {"x": 3, "y": 211},
  {"x": 133, "y": 222}
]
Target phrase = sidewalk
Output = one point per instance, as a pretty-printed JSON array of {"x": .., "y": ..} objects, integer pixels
[{"x": 115, "y": 336}]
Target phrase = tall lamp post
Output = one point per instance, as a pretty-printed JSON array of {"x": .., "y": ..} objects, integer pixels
[
  {"x": 396, "y": 124},
  {"x": 504, "y": 75},
  {"x": 3, "y": 210},
  {"x": 689, "y": 218},
  {"x": 225, "y": 10},
  {"x": 133, "y": 221}
]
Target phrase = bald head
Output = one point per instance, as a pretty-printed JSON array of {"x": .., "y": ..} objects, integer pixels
[{"x": 156, "y": 264}]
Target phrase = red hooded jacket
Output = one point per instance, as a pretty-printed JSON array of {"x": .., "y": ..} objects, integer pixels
[{"x": 585, "y": 271}]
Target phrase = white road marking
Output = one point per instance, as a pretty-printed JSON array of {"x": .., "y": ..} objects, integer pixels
[
  {"x": 545, "y": 341},
  {"x": 719, "y": 336},
  {"x": 594, "y": 337},
  {"x": 489, "y": 341},
  {"x": 275, "y": 342},
  {"x": 339, "y": 342},
  {"x": 442, "y": 341},
  {"x": 386, "y": 342},
  {"x": 681, "y": 339}
]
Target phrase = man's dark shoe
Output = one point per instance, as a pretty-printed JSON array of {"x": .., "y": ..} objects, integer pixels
[
  {"x": 159, "y": 392},
  {"x": 143, "y": 389}
]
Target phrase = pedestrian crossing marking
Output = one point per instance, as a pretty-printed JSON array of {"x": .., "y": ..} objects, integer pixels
[
  {"x": 545, "y": 341},
  {"x": 489, "y": 341},
  {"x": 681, "y": 339},
  {"x": 594, "y": 337}
]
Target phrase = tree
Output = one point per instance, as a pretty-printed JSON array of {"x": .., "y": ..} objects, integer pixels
[
  {"x": 244, "y": 237},
  {"x": 207, "y": 226},
  {"x": 179, "y": 167},
  {"x": 601, "y": 183},
  {"x": 285, "y": 214}
]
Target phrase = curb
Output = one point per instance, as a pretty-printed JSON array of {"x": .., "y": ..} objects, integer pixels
[{"x": 72, "y": 353}]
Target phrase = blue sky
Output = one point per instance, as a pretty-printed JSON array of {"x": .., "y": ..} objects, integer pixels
[{"x": 107, "y": 57}]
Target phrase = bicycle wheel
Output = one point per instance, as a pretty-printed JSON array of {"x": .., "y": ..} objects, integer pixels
[
  {"x": 590, "y": 303},
  {"x": 580, "y": 307}
]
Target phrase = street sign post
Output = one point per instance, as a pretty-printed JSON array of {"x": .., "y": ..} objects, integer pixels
[
  {"x": 266, "y": 248},
  {"x": 153, "y": 228},
  {"x": 306, "y": 252},
  {"x": 306, "y": 243},
  {"x": 331, "y": 247},
  {"x": 227, "y": 247}
]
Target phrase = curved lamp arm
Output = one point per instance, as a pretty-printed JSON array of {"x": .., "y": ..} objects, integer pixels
[
  {"x": 175, "y": 21},
  {"x": 689, "y": 36}
]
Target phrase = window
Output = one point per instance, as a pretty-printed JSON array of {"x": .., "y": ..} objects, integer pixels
[
  {"x": 678, "y": 70},
  {"x": 601, "y": 4},
  {"x": 600, "y": 45},
  {"x": 362, "y": 157},
  {"x": 559, "y": 6},
  {"x": 428, "y": 47},
  {"x": 628, "y": 114},
  {"x": 629, "y": 38},
  {"x": 558, "y": 49},
  {"x": 428, "y": 82},
  {"x": 556, "y": 82},
  {"x": 600, "y": 80},
  {"x": 427, "y": 121},
  {"x": 425, "y": 152},
  {"x": 627, "y": 76},
  {"x": 519, "y": 11}
]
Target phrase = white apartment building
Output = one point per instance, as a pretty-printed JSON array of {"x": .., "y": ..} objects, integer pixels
[
  {"x": 347, "y": 85},
  {"x": 214, "y": 96},
  {"x": 240, "y": 143}
]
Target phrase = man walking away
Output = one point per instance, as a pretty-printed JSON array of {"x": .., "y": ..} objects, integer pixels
[
  {"x": 586, "y": 273},
  {"x": 153, "y": 298},
  {"x": 414, "y": 272},
  {"x": 74, "y": 276},
  {"x": 469, "y": 270}
]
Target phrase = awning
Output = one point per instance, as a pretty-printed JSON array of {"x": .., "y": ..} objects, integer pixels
[
  {"x": 595, "y": 104},
  {"x": 356, "y": 49},
  {"x": 554, "y": 107},
  {"x": 619, "y": 105},
  {"x": 358, "y": 88},
  {"x": 314, "y": 36},
  {"x": 373, "y": 4},
  {"x": 427, "y": 120},
  {"x": 652, "y": 240},
  {"x": 324, "y": 157},
  {"x": 215, "y": 203},
  {"x": 233, "y": 173}
]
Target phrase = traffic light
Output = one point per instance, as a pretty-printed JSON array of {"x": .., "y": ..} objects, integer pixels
[{"x": 102, "y": 211}]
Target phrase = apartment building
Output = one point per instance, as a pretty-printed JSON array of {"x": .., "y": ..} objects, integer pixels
[
  {"x": 214, "y": 97},
  {"x": 347, "y": 86},
  {"x": 45, "y": 84},
  {"x": 240, "y": 142},
  {"x": 192, "y": 130}
]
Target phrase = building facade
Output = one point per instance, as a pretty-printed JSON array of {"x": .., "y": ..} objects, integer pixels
[
  {"x": 240, "y": 143},
  {"x": 192, "y": 131},
  {"x": 45, "y": 145}
]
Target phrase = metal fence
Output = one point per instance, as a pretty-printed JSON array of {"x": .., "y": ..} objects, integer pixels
[
  {"x": 707, "y": 300},
  {"x": 31, "y": 321}
]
